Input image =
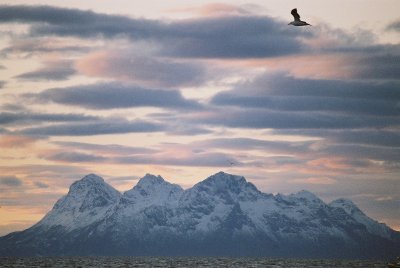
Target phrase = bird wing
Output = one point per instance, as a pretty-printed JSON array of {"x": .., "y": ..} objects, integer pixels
[{"x": 295, "y": 14}]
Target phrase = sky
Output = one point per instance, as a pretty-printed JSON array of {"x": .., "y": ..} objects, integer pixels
[{"x": 186, "y": 89}]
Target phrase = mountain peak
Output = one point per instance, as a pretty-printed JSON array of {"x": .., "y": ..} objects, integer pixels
[
  {"x": 93, "y": 184},
  {"x": 155, "y": 187},
  {"x": 347, "y": 205},
  {"x": 223, "y": 183},
  {"x": 305, "y": 195},
  {"x": 85, "y": 190},
  {"x": 87, "y": 201},
  {"x": 86, "y": 181},
  {"x": 150, "y": 179},
  {"x": 92, "y": 178},
  {"x": 226, "y": 178}
]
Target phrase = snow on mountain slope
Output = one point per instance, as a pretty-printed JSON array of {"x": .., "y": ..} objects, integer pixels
[
  {"x": 223, "y": 214},
  {"x": 209, "y": 203},
  {"x": 87, "y": 201},
  {"x": 155, "y": 203},
  {"x": 353, "y": 211},
  {"x": 152, "y": 190}
]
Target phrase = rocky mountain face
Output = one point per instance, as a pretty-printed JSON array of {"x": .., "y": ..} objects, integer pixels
[{"x": 224, "y": 215}]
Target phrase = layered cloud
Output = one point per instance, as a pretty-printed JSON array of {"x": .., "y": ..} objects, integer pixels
[
  {"x": 216, "y": 37},
  {"x": 115, "y": 95},
  {"x": 26, "y": 117},
  {"x": 280, "y": 101},
  {"x": 26, "y": 46},
  {"x": 152, "y": 71},
  {"x": 57, "y": 70},
  {"x": 107, "y": 149},
  {"x": 101, "y": 127},
  {"x": 285, "y": 93}
]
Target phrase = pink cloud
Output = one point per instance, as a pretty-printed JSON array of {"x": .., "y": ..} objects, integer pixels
[
  {"x": 10, "y": 141},
  {"x": 151, "y": 71},
  {"x": 316, "y": 66},
  {"x": 217, "y": 9}
]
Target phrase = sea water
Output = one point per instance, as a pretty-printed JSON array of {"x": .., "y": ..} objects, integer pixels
[{"x": 114, "y": 262}]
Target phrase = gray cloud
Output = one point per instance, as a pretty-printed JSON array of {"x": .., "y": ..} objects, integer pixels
[
  {"x": 279, "y": 101},
  {"x": 232, "y": 37},
  {"x": 370, "y": 137},
  {"x": 106, "y": 149},
  {"x": 203, "y": 159},
  {"x": 391, "y": 155},
  {"x": 63, "y": 21},
  {"x": 300, "y": 103},
  {"x": 52, "y": 71},
  {"x": 115, "y": 95},
  {"x": 10, "y": 181},
  {"x": 22, "y": 118},
  {"x": 246, "y": 36},
  {"x": 281, "y": 84},
  {"x": 175, "y": 126},
  {"x": 256, "y": 144},
  {"x": 221, "y": 37},
  {"x": 11, "y": 106},
  {"x": 152, "y": 71},
  {"x": 75, "y": 157},
  {"x": 385, "y": 138},
  {"x": 361, "y": 149},
  {"x": 383, "y": 65},
  {"x": 199, "y": 159},
  {"x": 374, "y": 61},
  {"x": 186, "y": 130},
  {"x": 394, "y": 26},
  {"x": 263, "y": 118},
  {"x": 101, "y": 127},
  {"x": 41, "y": 185},
  {"x": 29, "y": 46}
]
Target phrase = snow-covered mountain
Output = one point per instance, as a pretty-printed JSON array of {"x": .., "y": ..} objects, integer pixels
[{"x": 222, "y": 215}]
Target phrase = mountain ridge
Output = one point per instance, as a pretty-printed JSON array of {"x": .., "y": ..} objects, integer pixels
[{"x": 221, "y": 215}]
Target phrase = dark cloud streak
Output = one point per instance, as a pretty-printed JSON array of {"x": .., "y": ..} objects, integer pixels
[
  {"x": 10, "y": 181},
  {"x": 52, "y": 71},
  {"x": 115, "y": 95},
  {"x": 102, "y": 127},
  {"x": 21, "y": 118},
  {"x": 106, "y": 149},
  {"x": 262, "y": 118},
  {"x": 394, "y": 26},
  {"x": 75, "y": 157},
  {"x": 221, "y": 37},
  {"x": 283, "y": 102},
  {"x": 304, "y": 104}
]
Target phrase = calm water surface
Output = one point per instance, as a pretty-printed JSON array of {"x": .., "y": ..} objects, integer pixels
[{"x": 114, "y": 262}]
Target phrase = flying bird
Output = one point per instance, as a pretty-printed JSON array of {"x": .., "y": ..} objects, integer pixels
[{"x": 297, "y": 21}]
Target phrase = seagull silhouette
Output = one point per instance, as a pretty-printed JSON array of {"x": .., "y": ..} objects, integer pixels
[{"x": 297, "y": 21}]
